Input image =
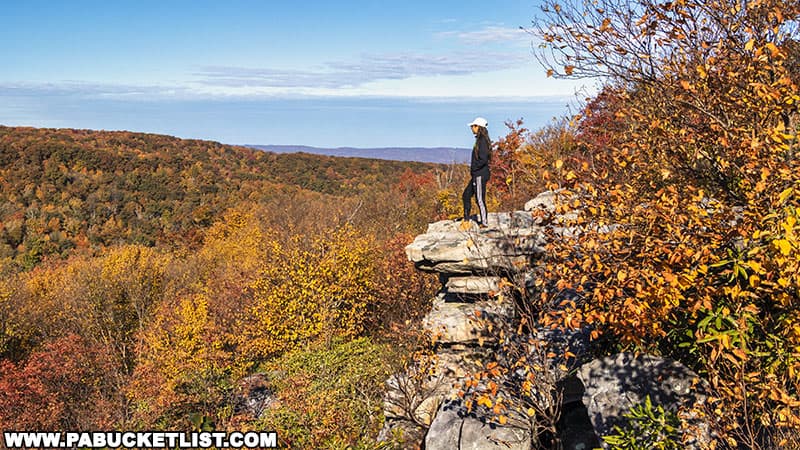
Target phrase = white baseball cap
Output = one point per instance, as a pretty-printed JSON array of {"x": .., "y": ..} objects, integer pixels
[{"x": 479, "y": 121}]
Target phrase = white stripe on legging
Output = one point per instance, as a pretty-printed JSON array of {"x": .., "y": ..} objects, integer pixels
[{"x": 480, "y": 200}]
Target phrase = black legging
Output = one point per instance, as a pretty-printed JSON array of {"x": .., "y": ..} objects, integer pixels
[{"x": 476, "y": 187}]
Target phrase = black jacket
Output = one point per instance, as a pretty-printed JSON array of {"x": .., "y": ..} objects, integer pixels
[{"x": 479, "y": 166}]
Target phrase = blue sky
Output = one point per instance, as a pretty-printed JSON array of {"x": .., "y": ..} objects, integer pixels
[{"x": 358, "y": 73}]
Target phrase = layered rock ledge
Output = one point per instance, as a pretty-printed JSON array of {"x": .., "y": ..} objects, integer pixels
[
  {"x": 461, "y": 248},
  {"x": 467, "y": 315},
  {"x": 474, "y": 265}
]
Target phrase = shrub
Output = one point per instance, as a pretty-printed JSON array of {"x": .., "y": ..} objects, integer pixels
[
  {"x": 695, "y": 164},
  {"x": 330, "y": 394},
  {"x": 183, "y": 369},
  {"x": 648, "y": 427},
  {"x": 62, "y": 386},
  {"x": 311, "y": 289}
]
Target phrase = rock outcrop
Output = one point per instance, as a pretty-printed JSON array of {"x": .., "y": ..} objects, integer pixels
[
  {"x": 452, "y": 430},
  {"x": 461, "y": 248},
  {"x": 475, "y": 265},
  {"x": 454, "y": 321},
  {"x": 615, "y": 384}
]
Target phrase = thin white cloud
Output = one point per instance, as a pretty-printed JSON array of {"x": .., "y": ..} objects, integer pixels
[
  {"x": 88, "y": 90},
  {"x": 248, "y": 77},
  {"x": 370, "y": 68},
  {"x": 404, "y": 74},
  {"x": 488, "y": 34}
]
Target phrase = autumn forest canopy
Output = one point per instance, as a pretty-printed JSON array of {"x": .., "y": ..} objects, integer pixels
[
  {"x": 144, "y": 276},
  {"x": 146, "y": 279},
  {"x": 68, "y": 189}
]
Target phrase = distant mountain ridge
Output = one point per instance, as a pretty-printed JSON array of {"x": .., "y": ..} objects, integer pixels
[{"x": 440, "y": 155}]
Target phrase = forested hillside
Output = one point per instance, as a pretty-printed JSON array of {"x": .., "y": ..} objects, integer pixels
[
  {"x": 150, "y": 282},
  {"x": 66, "y": 189}
]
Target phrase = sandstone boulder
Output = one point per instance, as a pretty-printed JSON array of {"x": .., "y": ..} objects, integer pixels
[
  {"x": 449, "y": 247},
  {"x": 615, "y": 384},
  {"x": 453, "y": 430},
  {"x": 473, "y": 285},
  {"x": 470, "y": 323},
  {"x": 546, "y": 201}
]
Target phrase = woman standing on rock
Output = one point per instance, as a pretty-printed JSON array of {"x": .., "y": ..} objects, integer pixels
[{"x": 479, "y": 171}]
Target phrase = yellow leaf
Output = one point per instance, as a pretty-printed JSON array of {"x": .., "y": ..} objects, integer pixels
[
  {"x": 785, "y": 194},
  {"x": 790, "y": 221},
  {"x": 559, "y": 163},
  {"x": 783, "y": 245},
  {"x": 750, "y": 44},
  {"x": 621, "y": 276},
  {"x": 725, "y": 340},
  {"x": 755, "y": 266}
]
